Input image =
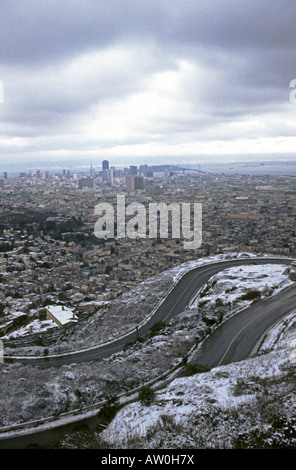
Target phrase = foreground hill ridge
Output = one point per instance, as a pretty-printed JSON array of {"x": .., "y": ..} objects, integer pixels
[
  {"x": 219, "y": 392},
  {"x": 250, "y": 404}
]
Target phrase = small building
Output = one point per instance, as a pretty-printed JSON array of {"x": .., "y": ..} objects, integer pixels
[{"x": 61, "y": 315}]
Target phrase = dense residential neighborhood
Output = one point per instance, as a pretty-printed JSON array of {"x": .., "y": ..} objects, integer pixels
[{"x": 50, "y": 254}]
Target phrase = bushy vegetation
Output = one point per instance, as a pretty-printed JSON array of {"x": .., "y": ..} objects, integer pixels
[
  {"x": 146, "y": 396},
  {"x": 280, "y": 434},
  {"x": 252, "y": 295},
  {"x": 191, "y": 369},
  {"x": 107, "y": 412}
]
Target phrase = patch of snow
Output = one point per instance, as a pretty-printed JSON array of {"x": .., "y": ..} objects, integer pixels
[
  {"x": 179, "y": 270},
  {"x": 35, "y": 326}
]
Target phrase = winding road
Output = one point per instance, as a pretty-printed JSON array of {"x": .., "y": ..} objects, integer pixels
[
  {"x": 234, "y": 340},
  {"x": 231, "y": 341}
]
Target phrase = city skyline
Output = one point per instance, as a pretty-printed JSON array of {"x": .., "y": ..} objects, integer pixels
[{"x": 155, "y": 81}]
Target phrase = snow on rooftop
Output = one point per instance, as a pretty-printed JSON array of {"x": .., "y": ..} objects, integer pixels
[
  {"x": 35, "y": 326},
  {"x": 63, "y": 314}
]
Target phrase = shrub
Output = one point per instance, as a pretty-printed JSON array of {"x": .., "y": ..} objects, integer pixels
[
  {"x": 192, "y": 369},
  {"x": 254, "y": 294},
  {"x": 108, "y": 412},
  {"x": 280, "y": 435},
  {"x": 146, "y": 396},
  {"x": 156, "y": 328}
]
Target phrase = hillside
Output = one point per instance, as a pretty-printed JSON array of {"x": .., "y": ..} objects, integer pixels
[
  {"x": 219, "y": 408},
  {"x": 250, "y": 404}
]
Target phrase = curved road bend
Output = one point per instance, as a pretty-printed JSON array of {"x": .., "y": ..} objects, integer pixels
[
  {"x": 235, "y": 339},
  {"x": 174, "y": 303}
]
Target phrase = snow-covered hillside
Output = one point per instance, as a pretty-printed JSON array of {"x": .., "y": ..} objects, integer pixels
[
  {"x": 229, "y": 286},
  {"x": 217, "y": 408},
  {"x": 198, "y": 411},
  {"x": 135, "y": 306},
  {"x": 226, "y": 406}
]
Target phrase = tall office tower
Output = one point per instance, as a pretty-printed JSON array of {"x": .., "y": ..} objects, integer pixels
[
  {"x": 143, "y": 170},
  {"x": 105, "y": 165},
  {"x": 5, "y": 175},
  {"x": 130, "y": 183},
  {"x": 110, "y": 173},
  {"x": 133, "y": 170},
  {"x": 92, "y": 171}
]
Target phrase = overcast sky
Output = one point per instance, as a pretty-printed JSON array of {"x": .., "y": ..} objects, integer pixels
[{"x": 146, "y": 80}]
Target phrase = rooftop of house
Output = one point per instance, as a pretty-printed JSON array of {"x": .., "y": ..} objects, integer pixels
[{"x": 63, "y": 314}]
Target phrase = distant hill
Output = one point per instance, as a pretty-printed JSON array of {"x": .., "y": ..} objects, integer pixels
[{"x": 161, "y": 168}]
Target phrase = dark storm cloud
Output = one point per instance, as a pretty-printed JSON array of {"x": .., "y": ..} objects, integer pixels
[
  {"x": 70, "y": 65},
  {"x": 39, "y": 31},
  {"x": 34, "y": 30},
  {"x": 248, "y": 48},
  {"x": 234, "y": 24}
]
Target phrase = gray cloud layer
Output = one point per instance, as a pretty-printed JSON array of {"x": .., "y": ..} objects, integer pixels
[{"x": 146, "y": 77}]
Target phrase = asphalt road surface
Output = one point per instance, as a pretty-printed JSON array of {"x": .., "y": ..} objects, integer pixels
[
  {"x": 235, "y": 339},
  {"x": 232, "y": 341}
]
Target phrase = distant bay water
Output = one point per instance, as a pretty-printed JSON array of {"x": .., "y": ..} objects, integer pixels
[{"x": 281, "y": 168}]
